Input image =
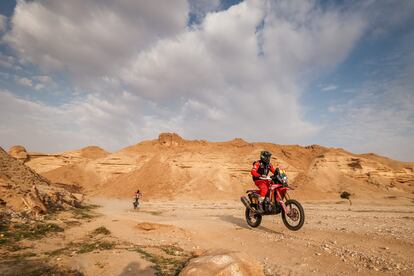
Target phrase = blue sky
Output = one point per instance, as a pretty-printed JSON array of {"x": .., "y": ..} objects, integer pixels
[{"x": 335, "y": 73}]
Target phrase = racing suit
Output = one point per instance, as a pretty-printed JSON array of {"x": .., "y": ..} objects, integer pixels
[{"x": 261, "y": 169}]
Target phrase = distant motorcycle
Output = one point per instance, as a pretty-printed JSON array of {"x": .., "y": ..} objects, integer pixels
[
  {"x": 276, "y": 201},
  {"x": 136, "y": 202}
]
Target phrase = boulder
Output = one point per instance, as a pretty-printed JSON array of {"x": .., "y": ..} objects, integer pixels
[
  {"x": 19, "y": 152},
  {"x": 223, "y": 264}
]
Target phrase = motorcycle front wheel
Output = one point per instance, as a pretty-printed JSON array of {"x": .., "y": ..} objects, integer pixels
[
  {"x": 253, "y": 219},
  {"x": 294, "y": 218}
]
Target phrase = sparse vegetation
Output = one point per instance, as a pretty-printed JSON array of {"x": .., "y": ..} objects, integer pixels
[
  {"x": 71, "y": 223},
  {"x": 101, "y": 230},
  {"x": 165, "y": 265},
  {"x": 83, "y": 247},
  {"x": 346, "y": 195},
  {"x": 85, "y": 212},
  {"x": 89, "y": 246},
  {"x": 172, "y": 250},
  {"x": 14, "y": 232}
]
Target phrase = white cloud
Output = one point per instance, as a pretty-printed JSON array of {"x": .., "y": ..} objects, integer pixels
[
  {"x": 330, "y": 87},
  {"x": 219, "y": 65},
  {"x": 90, "y": 38},
  {"x": 25, "y": 81},
  {"x": 112, "y": 123},
  {"x": 379, "y": 118},
  {"x": 9, "y": 62},
  {"x": 235, "y": 74}
]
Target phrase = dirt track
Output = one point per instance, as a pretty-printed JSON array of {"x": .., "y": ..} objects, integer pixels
[{"x": 334, "y": 239}]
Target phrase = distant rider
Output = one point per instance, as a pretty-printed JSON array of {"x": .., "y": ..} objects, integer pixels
[
  {"x": 259, "y": 172},
  {"x": 138, "y": 195}
]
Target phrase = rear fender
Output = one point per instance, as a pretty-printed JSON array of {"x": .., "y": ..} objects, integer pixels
[{"x": 254, "y": 197}]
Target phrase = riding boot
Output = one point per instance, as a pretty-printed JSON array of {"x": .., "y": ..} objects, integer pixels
[{"x": 260, "y": 209}]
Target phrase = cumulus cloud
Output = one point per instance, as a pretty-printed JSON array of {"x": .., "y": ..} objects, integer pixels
[
  {"x": 145, "y": 71},
  {"x": 220, "y": 65},
  {"x": 111, "y": 123},
  {"x": 25, "y": 81},
  {"x": 379, "y": 118},
  {"x": 90, "y": 38}
]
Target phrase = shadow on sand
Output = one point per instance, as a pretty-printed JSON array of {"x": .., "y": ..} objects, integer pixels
[
  {"x": 134, "y": 268},
  {"x": 240, "y": 222},
  {"x": 25, "y": 266}
]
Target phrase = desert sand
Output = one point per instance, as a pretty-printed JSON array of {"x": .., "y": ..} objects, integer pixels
[{"x": 192, "y": 222}]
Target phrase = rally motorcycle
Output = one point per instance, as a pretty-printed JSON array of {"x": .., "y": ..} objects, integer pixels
[
  {"x": 276, "y": 201},
  {"x": 136, "y": 202}
]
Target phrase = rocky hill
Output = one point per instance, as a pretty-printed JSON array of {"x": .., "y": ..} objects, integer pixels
[
  {"x": 171, "y": 167},
  {"x": 24, "y": 191}
]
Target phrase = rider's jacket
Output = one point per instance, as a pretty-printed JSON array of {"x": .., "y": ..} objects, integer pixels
[{"x": 260, "y": 168}]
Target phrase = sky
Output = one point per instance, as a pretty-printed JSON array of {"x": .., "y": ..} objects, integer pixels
[{"x": 113, "y": 73}]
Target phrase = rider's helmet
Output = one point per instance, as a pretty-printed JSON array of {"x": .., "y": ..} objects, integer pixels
[{"x": 265, "y": 157}]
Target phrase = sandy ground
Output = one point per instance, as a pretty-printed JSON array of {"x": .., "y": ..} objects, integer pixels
[{"x": 335, "y": 240}]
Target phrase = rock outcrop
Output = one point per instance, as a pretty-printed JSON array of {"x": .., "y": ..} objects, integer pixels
[
  {"x": 19, "y": 152},
  {"x": 223, "y": 264},
  {"x": 170, "y": 139},
  {"x": 24, "y": 191}
]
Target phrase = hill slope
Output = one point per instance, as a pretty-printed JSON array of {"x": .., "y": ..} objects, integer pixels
[
  {"x": 171, "y": 167},
  {"x": 23, "y": 190}
]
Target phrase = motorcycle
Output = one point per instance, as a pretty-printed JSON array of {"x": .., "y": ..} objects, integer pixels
[
  {"x": 136, "y": 202},
  {"x": 277, "y": 201}
]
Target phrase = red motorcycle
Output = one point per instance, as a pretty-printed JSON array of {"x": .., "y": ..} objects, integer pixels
[{"x": 276, "y": 201}]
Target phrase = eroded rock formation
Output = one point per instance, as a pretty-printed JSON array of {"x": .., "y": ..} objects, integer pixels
[{"x": 24, "y": 191}]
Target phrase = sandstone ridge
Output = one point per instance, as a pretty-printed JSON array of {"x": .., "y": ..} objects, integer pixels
[{"x": 172, "y": 167}]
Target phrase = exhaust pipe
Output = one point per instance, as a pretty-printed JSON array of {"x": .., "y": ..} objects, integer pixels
[{"x": 246, "y": 202}]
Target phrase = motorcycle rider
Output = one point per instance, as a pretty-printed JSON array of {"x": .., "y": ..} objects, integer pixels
[
  {"x": 137, "y": 196},
  {"x": 259, "y": 173}
]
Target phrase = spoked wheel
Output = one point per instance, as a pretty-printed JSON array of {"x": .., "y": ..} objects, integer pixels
[
  {"x": 253, "y": 219},
  {"x": 294, "y": 216}
]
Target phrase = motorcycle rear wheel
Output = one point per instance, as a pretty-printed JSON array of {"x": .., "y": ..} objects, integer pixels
[
  {"x": 253, "y": 219},
  {"x": 295, "y": 218}
]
